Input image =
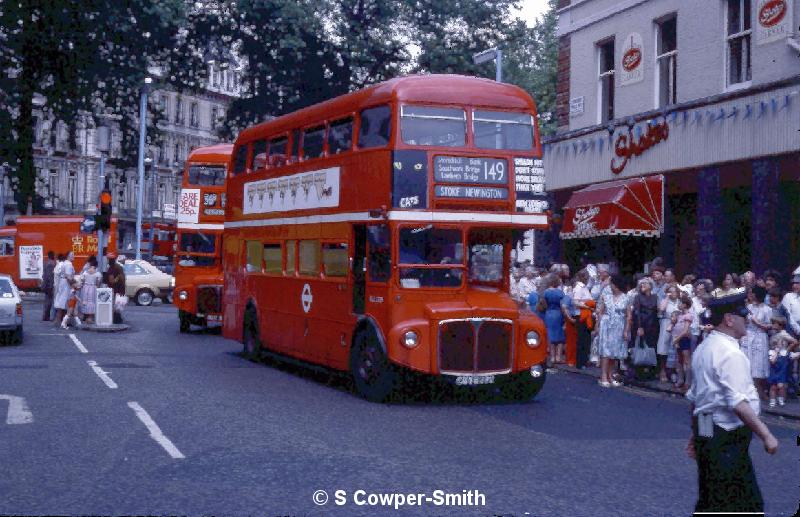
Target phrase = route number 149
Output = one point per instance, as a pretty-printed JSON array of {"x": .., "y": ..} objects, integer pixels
[{"x": 494, "y": 171}]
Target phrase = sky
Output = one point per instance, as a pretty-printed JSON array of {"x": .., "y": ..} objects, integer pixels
[{"x": 531, "y": 9}]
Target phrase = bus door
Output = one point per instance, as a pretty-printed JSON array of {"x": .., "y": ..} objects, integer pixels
[
  {"x": 359, "y": 267},
  {"x": 378, "y": 272}
]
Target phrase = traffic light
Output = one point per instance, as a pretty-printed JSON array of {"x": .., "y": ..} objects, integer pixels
[{"x": 103, "y": 217}]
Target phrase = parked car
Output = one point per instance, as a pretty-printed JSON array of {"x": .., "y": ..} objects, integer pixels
[
  {"x": 144, "y": 282},
  {"x": 10, "y": 311}
]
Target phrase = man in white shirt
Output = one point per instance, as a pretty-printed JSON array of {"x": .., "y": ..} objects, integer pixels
[
  {"x": 791, "y": 302},
  {"x": 725, "y": 408},
  {"x": 526, "y": 284}
]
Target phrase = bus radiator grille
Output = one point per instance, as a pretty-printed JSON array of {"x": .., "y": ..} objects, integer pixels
[
  {"x": 475, "y": 346},
  {"x": 209, "y": 300}
]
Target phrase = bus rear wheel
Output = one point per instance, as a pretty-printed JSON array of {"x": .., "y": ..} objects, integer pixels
[
  {"x": 251, "y": 345},
  {"x": 375, "y": 378}
]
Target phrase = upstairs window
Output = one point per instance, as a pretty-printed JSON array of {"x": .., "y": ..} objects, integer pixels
[
  {"x": 207, "y": 175},
  {"x": 425, "y": 125},
  {"x": 340, "y": 136},
  {"x": 240, "y": 160},
  {"x": 313, "y": 142},
  {"x": 179, "y": 111},
  {"x": 605, "y": 54},
  {"x": 193, "y": 116},
  {"x": 502, "y": 130},
  {"x": 376, "y": 124},
  {"x": 667, "y": 61},
  {"x": 738, "y": 38},
  {"x": 259, "y": 155},
  {"x": 277, "y": 151}
]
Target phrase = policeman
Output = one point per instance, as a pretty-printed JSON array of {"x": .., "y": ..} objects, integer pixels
[{"x": 725, "y": 408}]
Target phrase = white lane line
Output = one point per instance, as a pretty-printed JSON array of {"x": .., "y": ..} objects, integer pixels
[
  {"x": 18, "y": 412},
  {"x": 155, "y": 431},
  {"x": 103, "y": 375},
  {"x": 78, "y": 344}
]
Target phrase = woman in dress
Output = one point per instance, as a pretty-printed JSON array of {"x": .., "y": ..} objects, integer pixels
[
  {"x": 667, "y": 306},
  {"x": 644, "y": 316},
  {"x": 549, "y": 304},
  {"x": 64, "y": 276},
  {"x": 90, "y": 281},
  {"x": 612, "y": 312},
  {"x": 755, "y": 343}
]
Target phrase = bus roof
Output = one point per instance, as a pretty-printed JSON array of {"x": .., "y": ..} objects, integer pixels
[
  {"x": 433, "y": 88},
  {"x": 219, "y": 153}
]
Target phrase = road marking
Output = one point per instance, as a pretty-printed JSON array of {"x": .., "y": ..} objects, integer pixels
[
  {"x": 103, "y": 375},
  {"x": 78, "y": 344},
  {"x": 18, "y": 412},
  {"x": 155, "y": 431}
]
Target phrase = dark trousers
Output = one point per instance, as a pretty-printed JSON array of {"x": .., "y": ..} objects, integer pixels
[
  {"x": 48, "y": 306},
  {"x": 584, "y": 344},
  {"x": 727, "y": 481}
]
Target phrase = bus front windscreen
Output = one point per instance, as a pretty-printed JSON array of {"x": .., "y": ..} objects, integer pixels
[
  {"x": 437, "y": 256},
  {"x": 197, "y": 249},
  {"x": 207, "y": 175}
]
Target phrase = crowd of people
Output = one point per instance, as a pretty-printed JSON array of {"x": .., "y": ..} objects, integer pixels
[
  {"x": 598, "y": 317},
  {"x": 70, "y": 297}
]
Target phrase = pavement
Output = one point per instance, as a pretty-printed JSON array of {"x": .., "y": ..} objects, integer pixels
[{"x": 791, "y": 410}]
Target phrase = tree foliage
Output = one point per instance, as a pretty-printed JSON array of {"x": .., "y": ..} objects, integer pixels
[{"x": 88, "y": 57}]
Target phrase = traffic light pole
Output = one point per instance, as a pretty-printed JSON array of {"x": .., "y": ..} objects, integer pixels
[{"x": 101, "y": 182}]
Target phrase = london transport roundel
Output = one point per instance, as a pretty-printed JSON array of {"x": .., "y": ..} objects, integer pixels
[{"x": 306, "y": 298}]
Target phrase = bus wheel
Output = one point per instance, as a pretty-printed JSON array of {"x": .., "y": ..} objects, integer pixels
[
  {"x": 374, "y": 376},
  {"x": 522, "y": 387},
  {"x": 251, "y": 345},
  {"x": 144, "y": 297},
  {"x": 183, "y": 322}
]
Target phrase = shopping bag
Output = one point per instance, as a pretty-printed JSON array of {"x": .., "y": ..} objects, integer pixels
[
  {"x": 120, "y": 302},
  {"x": 642, "y": 355}
]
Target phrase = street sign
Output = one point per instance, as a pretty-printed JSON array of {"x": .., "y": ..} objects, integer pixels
[{"x": 485, "y": 56}]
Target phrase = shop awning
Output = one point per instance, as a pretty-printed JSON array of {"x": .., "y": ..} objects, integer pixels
[{"x": 628, "y": 207}]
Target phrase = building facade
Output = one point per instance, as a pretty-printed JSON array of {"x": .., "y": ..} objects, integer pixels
[
  {"x": 678, "y": 135},
  {"x": 67, "y": 159}
]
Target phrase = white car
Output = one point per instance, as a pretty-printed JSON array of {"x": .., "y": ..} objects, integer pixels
[
  {"x": 145, "y": 282},
  {"x": 10, "y": 311}
]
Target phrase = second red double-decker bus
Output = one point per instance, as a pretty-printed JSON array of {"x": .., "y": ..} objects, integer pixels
[
  {"x": 372, "y": 233},
  {"x": 198, "y": 254}
]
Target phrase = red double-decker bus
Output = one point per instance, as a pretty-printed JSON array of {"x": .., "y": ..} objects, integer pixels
[
  {"x": 371, "y": 233},
  {"x": 198, "y": 253}
]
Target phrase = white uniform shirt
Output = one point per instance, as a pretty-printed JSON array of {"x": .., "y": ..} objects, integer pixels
[
  {"x": 721, "y": 380},
  {"x": 791, "y": 302},
  {"x": 580, "y": 293}
]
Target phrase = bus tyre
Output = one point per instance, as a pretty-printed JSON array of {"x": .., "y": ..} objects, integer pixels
[
  {"x": 522, "y": 387},
  {"x": 183, "y": 322},
  {"x": 251, "y": 345},
  {"x": 375, "y": 378},
  {"x": 144, "y": 297}
]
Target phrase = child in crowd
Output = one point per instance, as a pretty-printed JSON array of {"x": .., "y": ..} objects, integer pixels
[
  {"x": 71, "y": 317},
  {"x": 780, "y": 346},
  {"x": 682, "y": 342}
]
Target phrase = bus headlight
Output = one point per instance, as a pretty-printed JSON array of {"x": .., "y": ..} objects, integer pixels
[
  {"x": 410, "y": 339},
  {"x": 532, "y": 339},
  {"x": 183, "y": 296}
]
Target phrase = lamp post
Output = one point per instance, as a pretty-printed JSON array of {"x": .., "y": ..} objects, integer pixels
[
  {"x": 140, "y": 192},
  {"x": 150, "y": 166},
  {"x": 487, "y": 55},
  {"x": 103, "y": 145}
]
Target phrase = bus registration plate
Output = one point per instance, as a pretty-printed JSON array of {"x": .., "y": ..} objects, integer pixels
[
  {"x": 474, "y": 380},
  {"x": 214, "y": 317}
]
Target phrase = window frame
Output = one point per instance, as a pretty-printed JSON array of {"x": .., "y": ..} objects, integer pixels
[
  {"x": 247, "y": 264},
  {"x": 251, "y": 165},
  {"x": 264, "y": 270},
  {"x": 743, "y": 35},
  {"x": 670, "y": 55},
  {"x": 310, "y": 129},
  {"x": 467, "y": 110},
  {"x": 473, "y": 142},
  {"x": 359, "y": 120},
  {"x": 286, "y": 248},
  {"x": 338, "y": 122},
  {"x": 347, "y": 271},
  {"x": 603, "y": 104}
]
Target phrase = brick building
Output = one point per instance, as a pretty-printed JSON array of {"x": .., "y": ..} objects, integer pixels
[{"x": 678, "y": 135}]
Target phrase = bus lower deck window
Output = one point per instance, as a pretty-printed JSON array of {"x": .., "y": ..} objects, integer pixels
[
  {"x": 335, "y": 259},
  {"x": 273, "y": 263},
  {"x": 309, "y": 257},
  {"x": 291, "y": 257},
  {"x": 254, "y": 258}
]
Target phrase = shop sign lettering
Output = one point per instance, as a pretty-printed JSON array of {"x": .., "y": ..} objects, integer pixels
[
  {"x": 626, "y": 146},
  {"x": 773, "y": 21},
  {"x": 583, "y": 219}
]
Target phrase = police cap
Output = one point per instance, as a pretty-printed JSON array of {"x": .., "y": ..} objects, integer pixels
[{"x": 734, "y": 304}]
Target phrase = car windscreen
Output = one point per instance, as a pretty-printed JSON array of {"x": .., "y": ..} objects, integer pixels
[{"x": 6, "y": 291}]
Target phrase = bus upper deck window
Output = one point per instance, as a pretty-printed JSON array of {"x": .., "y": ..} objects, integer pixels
[
  {"x": 502, "y": 130},
  {"x": 240, "y": 160},
  {"x": 425, "y": 125},
  {"x": 295, "y": 154},
  {"x": 313, "y": 142},
  {"x": 376, "y": 124},
  {"x": 277, "y": 151},
  {"x": 340, "y": 136},
  {"x": 259, "y": 155},
  {"x": 207, "y": 175}
]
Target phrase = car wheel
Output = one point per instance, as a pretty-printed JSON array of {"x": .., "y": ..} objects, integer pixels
[
  {"x": 183, "y": 322},
  {"x": 375, "y": 378},
  {"x": 144, "y": 297},
  {"x": 251, "y": 348}
]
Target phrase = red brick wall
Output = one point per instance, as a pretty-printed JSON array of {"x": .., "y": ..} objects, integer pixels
[{"x": 562, "y": 82}]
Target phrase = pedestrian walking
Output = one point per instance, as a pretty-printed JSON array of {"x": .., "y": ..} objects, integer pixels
[
  {"x": 64, "y": 273},
  {"x": 755, "y": 344},
  {"x": 549, "y": 304},
  {"x": 612, "y": 312},
  {"x": 725, "y": 409},
  {"x": 47, "y": 285}
]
